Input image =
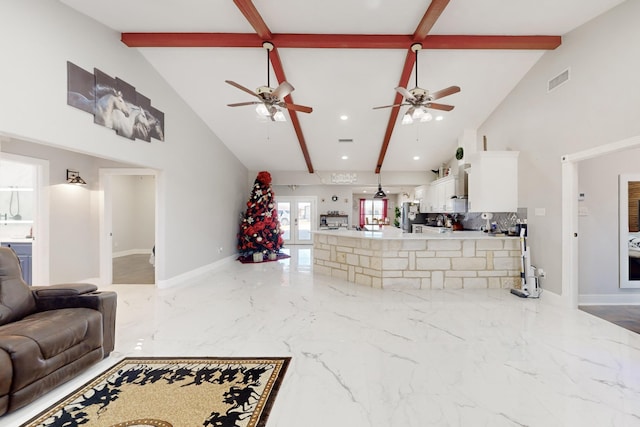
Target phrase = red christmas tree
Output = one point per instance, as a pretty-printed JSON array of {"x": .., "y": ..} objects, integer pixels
[{"x": 260, "y": 227}]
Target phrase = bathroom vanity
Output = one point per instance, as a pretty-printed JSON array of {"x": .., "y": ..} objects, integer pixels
[{"x": 23, "y": 249}]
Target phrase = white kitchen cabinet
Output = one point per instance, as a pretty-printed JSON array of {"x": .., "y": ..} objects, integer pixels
[
  {"x": 422, "y": 196},
  {"x": 420, "y": 192},
  {"x": 441, "y": 192},
  {"x": 493, "y": 181}
]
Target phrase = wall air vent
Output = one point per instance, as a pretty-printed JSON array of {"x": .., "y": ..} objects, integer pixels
[
  {"x": 345, "y": 140},
  {"x": 558, "y": 80}
]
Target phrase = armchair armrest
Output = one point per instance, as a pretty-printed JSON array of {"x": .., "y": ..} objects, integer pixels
[
  {"x": 64, "y": 289},
  {"x": 81, "y": 295}
]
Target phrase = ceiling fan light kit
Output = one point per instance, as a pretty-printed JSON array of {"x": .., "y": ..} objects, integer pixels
[
  {"x": 271, "y": 100},
  {"x": 420, "y": 99},
  {"x": 278, "y": 116}
]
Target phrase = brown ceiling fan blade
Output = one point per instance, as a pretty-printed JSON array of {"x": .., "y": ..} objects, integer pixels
[
  {"x": 445, "y": 92},
  {"x": 240, "y": 104},
  {"x": 404, "y": 92},
  {"x": 300, "y": 108},
  {"x": 239, "y": 86},
  {"x": 389, "y": 106},
  {"x": 443, "y": 107},
  {"x": 283, "y": 90}
]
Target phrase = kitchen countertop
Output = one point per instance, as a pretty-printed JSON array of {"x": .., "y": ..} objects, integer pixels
[
  {"x": 15, "y": 240},
  {"x": 392, "y": 233}
]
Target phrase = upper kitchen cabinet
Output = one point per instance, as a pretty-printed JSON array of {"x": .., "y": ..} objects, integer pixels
[
  {"x": 423, "y": 196},
  {"x": 441, "y": 196},
  {"x": 493, "y": 181},
  {"x": 442, "y": 190}
]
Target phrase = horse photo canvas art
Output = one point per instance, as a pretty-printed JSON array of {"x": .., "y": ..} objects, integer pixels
[{"x": 114, "y": 103}]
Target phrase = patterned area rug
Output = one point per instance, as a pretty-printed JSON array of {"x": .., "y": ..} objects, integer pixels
[{"x": 172, "y": 392}]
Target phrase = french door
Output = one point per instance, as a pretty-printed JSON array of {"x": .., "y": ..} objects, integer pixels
[{"x": 297, "y": 217}]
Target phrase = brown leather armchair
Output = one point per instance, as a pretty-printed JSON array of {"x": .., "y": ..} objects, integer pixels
[{"x": 48, "y": 334}]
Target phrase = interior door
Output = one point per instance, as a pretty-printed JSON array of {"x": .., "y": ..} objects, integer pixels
[{"x": 297, "y": 217}]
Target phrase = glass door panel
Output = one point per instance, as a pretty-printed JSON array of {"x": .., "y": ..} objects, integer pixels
[
  {"x": 297, "y": 219},
  {"x": 284, "y": 215},
  {"x": 304, "y": 223}
]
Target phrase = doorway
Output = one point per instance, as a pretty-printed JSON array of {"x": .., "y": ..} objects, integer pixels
[
  {"x": 570, "y": 225},
  {"x": 297, "y": 218},
  {"x": 128, "y": 226},
  {"x": 25, "y": 208}
]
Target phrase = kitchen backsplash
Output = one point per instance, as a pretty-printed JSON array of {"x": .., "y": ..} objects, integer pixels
[{"x": 474, "y": 220}]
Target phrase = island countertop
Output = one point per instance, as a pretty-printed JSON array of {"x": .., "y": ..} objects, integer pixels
[
  {"x": 392, "y": 233},
  {"x": 427, "y": 260}
]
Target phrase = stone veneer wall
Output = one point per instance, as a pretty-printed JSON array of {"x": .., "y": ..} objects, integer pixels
[{"x": 420, "y": 263}]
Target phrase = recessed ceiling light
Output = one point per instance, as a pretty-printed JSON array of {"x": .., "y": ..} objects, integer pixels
[
  {"x": 438, "y": 118},
  {"x": 364, "y": 191},
  {"x": 416, "y": 157},
  {"x": 344, "y": 157},
  {"x": 344, "y": 117}
]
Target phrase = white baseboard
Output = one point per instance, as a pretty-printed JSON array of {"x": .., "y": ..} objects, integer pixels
[
  {"x": 609, "y": 299},
  {"x": 552, "y": 298},
  {"x": 131, "y": 252},
  {"x": 184, "y": 278}
]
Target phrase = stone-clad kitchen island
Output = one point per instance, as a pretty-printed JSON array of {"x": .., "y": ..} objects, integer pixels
[{"x": 431, "y": 260}]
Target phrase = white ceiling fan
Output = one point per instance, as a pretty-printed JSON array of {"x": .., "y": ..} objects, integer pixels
[
  {"x": 271, "y": 101},
  {"x": 420, "y": 100}
]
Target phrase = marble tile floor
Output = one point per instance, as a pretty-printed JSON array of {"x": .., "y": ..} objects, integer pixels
[{"x": 364, "y": 357}]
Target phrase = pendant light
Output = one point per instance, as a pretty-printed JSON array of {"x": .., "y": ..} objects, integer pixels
[{"x": 379, "y": 194}]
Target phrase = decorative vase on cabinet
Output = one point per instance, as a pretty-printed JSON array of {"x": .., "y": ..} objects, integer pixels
[{"x": 493, "y": 181}]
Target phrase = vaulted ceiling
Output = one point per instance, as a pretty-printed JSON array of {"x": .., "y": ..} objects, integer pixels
[{"x": 343, "y": 58}]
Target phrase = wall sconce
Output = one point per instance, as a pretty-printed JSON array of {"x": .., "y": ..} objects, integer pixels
[{"x": 73, "y": 177}]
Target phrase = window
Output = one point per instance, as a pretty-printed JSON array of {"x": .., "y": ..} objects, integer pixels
[{"x": 373, "y": 212}]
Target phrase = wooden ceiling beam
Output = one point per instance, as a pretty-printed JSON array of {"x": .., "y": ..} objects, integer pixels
[
  {"x": 492, "y": 42},
  {"x": 430, "y": 17},
  {"x": 252, "y": 15},
  {"x": 339, "y": 41},
  {"x": 409, "y": 62},
  {"x": 279, "y": 72}
]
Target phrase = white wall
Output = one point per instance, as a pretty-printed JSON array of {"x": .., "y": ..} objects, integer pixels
[
  {"x": 598, "y": 105},
  {"x": 133, "y": 217},
  {"x": 37, "y": 38}
]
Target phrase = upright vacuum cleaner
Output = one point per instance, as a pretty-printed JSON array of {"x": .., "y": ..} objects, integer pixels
[{"x": 529, "y": 286}]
